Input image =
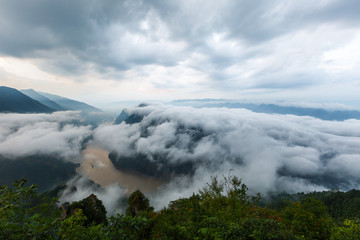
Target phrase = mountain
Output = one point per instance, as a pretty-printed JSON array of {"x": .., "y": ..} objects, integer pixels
[
  {"x": 12, "y": 100},
  {"x": 70, "y": 104},
  {"x": 122, "y": 117},
  {"x": 130, "y": 118},
  {"x": 42, "y": 99},
  {"x": 45, "y": 171},
  {"x": 324, "y": 114},
  {"x": 158, "y": 166}
]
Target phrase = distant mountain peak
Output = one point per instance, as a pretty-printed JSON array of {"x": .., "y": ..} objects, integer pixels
[
  {"x": 317, "y": 112},
  {"x": 12, "y": 100},
  {"x": 70, "y": 104},
  {"x": 44, "y": 100},
  {"x": 32, "y": 101},
  {"x": 122, "y": 117}
]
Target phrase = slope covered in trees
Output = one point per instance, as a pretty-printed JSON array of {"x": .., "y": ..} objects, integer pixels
[
  {"x": 46, "y": 171},
  {"x": 221, "y": 210}
]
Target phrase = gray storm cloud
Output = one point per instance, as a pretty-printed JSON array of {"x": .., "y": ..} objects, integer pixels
[
  {"x": 49, "y": 134},
  {"x": 213, "y": 37},
  {"x": 269, "y": 152}
]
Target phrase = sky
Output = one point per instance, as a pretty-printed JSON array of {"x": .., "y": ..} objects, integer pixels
[{"x": 108, "y": 51}]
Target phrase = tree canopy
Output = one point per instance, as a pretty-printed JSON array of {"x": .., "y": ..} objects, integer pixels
[{"x": 221, "y": 210}]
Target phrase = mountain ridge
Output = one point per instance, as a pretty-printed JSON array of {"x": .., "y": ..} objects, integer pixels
[
  {"x": 42, "y": 99},
  {"x": 70, "y": 104},
  {"x": 12, "y": 100},
  {"x": 317, "y": 112}
]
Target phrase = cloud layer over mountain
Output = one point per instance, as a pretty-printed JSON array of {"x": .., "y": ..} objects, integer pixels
[
  {"x": 58, "y": 134},
  {"x": 269, "y": 152},
  {"x": 111, "y": 196}
]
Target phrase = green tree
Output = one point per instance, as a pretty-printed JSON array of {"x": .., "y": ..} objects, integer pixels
[
  {"x": 21, "y": 218},
  {"x": 92, "y": 208},
  {"x": 308, "y": 218},
  {"x": 138, "y": 204},
  {"x": 73, "y": 228},
  {"x": 221, "y": 210},
  {"x": 350, "y": 230},
  {"x": 122, "y": 227}
]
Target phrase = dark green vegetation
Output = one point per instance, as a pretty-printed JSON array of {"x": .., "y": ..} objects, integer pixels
[
  {"x": 340, "y": 205},
  {"x": 221, "y": 210},
  {"x": 47, "y": 172},
  {"x": 141, "y": 164}
]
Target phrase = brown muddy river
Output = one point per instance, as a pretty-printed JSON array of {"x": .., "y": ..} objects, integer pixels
[{"x": 97, "y": 166}]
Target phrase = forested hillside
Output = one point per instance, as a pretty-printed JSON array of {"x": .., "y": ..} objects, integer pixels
[{"x": 221, "y": 210}]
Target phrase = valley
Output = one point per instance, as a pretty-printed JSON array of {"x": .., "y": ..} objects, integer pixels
[{"x": 97, "y": 166}]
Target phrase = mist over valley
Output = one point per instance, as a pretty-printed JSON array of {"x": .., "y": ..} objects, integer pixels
[{"x": 170, "y": 151}]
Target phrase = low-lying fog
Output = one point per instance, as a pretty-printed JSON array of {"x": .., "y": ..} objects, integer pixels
[{"x": 270, "y": 153}]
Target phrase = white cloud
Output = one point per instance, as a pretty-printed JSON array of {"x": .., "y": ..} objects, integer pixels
[
  {"x": 269, "y": 152},
  {"x": 49, "y": 134},
  {"x": 344, "y": 58},
  {"x": 109, "y": 196}
]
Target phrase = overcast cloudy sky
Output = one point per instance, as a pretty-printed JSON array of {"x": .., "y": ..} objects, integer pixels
[{"x": 105, "y": 51}]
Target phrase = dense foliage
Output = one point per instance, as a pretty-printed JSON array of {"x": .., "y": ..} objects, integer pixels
[
  {"x": 92, "y": 207},
  {"x": 221, "y": 210},
  {"x": 20, "y": 218},
  {"x": 340, "y": 205}
]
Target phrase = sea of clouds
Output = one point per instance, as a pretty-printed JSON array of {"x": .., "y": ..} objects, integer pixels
[
  {"x": 269, "y": 152},
  {"x": 59, "y": 133}
]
